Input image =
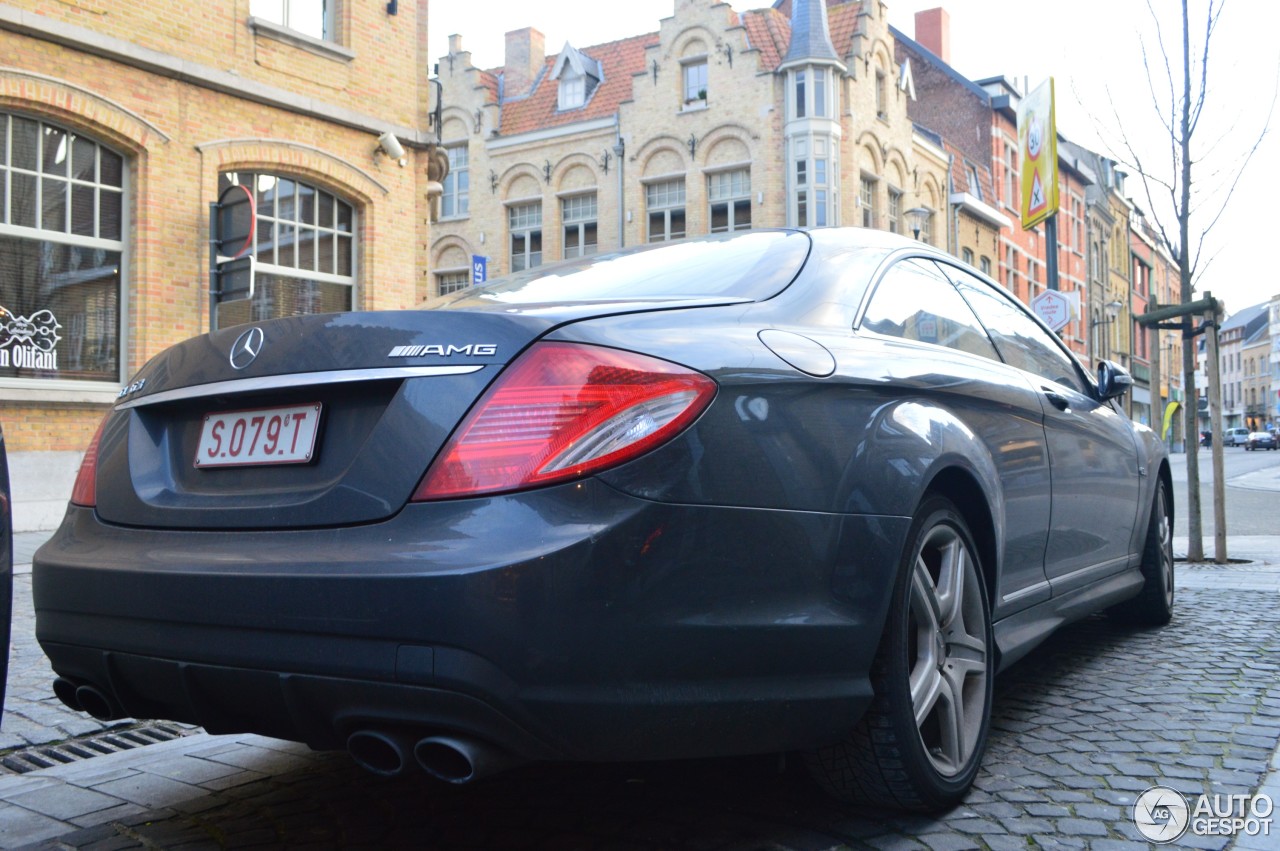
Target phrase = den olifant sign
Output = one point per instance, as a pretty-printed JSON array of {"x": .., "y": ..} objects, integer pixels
[{"x": 29, "y": 342}]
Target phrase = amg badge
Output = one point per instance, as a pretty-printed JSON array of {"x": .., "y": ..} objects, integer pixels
[{"x": 476, "y": 350}]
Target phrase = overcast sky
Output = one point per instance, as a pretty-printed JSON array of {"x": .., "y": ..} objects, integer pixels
[{"x": 1092, "y": 49}]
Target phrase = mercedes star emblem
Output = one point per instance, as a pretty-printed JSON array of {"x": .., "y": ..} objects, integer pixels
[{"x": 246, "y": 348}]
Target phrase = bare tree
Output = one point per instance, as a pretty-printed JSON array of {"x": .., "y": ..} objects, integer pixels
[{"x": 1180, "y": 105}]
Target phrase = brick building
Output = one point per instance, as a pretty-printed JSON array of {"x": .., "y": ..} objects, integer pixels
[
  {"x": 978, "y": 121},
  {"x": 793, "y": 115},
  {"x": 121, "y": 122}
]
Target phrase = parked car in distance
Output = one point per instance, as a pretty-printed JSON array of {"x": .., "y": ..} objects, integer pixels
[
  {"x": 1261, "y": 440},
  {"x": 1235, "y": 437},
  {"x": 767, "y": 491}
]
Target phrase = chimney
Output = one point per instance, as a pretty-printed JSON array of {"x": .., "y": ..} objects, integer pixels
[
  {"x": 455, "y": 44},
  {"x": 933, "y": 32},
  {"x": 526, "y": 54}
]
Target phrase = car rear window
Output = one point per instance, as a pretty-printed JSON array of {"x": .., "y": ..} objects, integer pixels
[{"x": 751, "y": 266}]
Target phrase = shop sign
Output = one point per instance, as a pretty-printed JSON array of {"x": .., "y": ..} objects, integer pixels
[{"x": 29, "y": 342}]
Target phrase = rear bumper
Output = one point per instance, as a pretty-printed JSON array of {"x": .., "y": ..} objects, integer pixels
[{"x": 571, "y": 622}]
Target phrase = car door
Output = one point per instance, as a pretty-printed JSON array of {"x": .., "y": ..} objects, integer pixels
[
  {"x": 1093, "y": 454},
  {"x": 6, "y": 569},
  {"x": 915, "y": 302}
]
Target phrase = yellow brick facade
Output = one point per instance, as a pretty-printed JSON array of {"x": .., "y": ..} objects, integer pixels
[
  {"x": 186, "y": 91},
  {"x": 740, "y": 124}
]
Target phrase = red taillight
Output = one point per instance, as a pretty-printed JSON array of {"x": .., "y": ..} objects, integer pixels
[
  {"x": 85, "y": 491},
  {"x": 562, "y": 411}
]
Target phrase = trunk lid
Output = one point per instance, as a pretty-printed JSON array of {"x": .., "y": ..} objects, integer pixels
[{"x": 386, "y": 390}]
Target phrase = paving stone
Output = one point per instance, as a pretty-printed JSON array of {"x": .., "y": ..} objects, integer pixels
[
  {"x": 149, "y": 790},
  {"x": 64, "y": 802},
  {"x": 20, "y": 826}
]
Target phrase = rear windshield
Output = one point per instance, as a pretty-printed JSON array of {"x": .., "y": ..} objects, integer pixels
[{"x": 750, "y": 266}]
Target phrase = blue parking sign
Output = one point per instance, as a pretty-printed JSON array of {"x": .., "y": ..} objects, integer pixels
[{"x": 479, "y": 269}]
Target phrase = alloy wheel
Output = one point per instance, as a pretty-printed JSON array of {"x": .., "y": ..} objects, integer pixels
[{"x": 947, "y": 650}]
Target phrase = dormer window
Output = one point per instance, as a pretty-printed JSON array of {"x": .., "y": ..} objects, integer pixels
[
  {"x": 573, "y": 90},
  {"x": 578, "y": 75}
]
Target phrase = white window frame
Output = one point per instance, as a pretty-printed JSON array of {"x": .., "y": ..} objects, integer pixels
[
  {"x": 276, "y": 227},
  {"x": 665, "y": 197},
  {"x": 895, "y": 210},
  {"x": 695, "y": 79},
  {"x": 729, "y": 190},
  {"x": 298, "y": 15},
  {"x": 577, "y": 214},
  {"x": 452, "y": 280},
  {"x": 524, "y": 221},
  {"x": 867, "y": 199},
  {"x": 572, "y": 92},
  {"x": 78, "y": 388},
  {"x": 457, "y": 183}
]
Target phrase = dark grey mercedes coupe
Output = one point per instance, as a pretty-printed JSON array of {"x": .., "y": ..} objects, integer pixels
[{"x": 772, "y": 491}]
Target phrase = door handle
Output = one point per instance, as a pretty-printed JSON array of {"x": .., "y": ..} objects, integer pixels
[{"x": 1062, "y": 403}]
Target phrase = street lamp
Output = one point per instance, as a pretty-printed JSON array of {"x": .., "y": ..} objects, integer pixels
[{"x": 917, "y": 218}]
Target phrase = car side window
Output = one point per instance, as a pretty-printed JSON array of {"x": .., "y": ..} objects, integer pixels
[
  {"x": 915, "y": 301},
  {"x": 1021, "y": 341}
]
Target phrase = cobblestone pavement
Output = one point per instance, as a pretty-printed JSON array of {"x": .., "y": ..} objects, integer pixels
[
  {"x": 32, "y": 715},
  {"x": 1081, "y": 727}
]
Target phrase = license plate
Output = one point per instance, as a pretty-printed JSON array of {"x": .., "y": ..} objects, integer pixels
[{"x": 259, "y": 436}]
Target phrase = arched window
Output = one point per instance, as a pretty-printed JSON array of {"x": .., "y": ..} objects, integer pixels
[
  {"x": 62, "y": 203},
  {"x": 305, "y": 250}
]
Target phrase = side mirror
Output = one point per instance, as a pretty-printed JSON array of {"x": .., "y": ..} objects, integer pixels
[{"x": 1113, "y": 380}]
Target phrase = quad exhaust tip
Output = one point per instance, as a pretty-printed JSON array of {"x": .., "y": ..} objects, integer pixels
[
  {"x": 452, "y": 759},
  {"x": 459, "y": 760},
  {"x": 382, "y": 753},
  {"x": 87, "y": 698}
]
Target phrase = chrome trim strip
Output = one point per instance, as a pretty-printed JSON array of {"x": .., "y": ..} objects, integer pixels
[{"x": 273, "y": 382}]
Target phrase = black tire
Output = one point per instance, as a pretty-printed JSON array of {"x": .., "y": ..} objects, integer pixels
[
  {"x": 1154, "y": 604},
  {"x": 938, "y": 635}
]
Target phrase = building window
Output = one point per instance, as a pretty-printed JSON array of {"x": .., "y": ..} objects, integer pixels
[
  {"x": 882, "y": 109},
  {"x": 309, "y": 17},
  {"x": 966, "y": 254},
  {"x": 457, "y": 183},
  {"x": 1011, "y": 177},
  {"x": 800, "y": 95},
  {"x": 895, "y": 211},
  {"x": 819, "y": 186},
  {"x": 926, "y": 227},
  {"x": 451, "y": 282},
  {"x": 62, "y": 202},
  {"x": 975, "y": 185},
  {"x": 695, "y": 83},
  {"x": 578, "y": 214},
  {"x": 573, "y": 90},
  {"x": 802, "y": 193},
  {"x": 820, "y": 92},
  {"x": 305, "y": 250},
  {"x": 665, "y": 202},
  {"x": 984, "y": 265},
  {"x": 867, "y": 200},
  {"x": 730, "y": 196},
  {"x": 525, "y": 221}
]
